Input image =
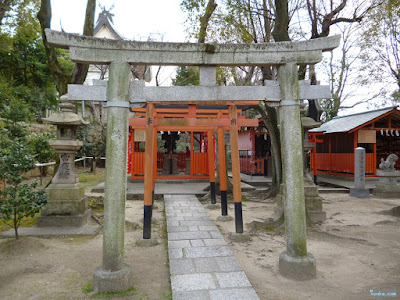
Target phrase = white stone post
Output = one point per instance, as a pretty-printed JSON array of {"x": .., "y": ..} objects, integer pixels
[
  {"x": 359, "y": 189},
  {"x": 295, "y": 262},
  {"x": 114, "y": 275}
]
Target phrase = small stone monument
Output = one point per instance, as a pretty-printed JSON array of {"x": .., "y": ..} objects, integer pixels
[
  {"x": 359, "y": 189},
  {"x": 387, "y": 186},
  {"x": 67, "y": 204}
]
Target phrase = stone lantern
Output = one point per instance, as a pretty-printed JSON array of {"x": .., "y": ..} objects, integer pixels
[
  {"x": 67, "y": 204},
  {"x": 307, "y": 124},
  {"x": 312, "y": 199}
]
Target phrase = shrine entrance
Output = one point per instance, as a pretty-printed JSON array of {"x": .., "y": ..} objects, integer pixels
[{"x": 120, "y": 94}]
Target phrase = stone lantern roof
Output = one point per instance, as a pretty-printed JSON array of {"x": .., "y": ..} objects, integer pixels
[
  {"x": 309, "y": 123},
  {"x": 65, "y": 116}
]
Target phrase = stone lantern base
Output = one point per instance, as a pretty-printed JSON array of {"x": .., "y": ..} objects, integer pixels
[
  {"x": 312, "y": 200},
  {"x": 67, "y": 206}
]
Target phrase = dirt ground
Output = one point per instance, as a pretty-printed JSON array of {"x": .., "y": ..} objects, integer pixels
[
  {"x": 357, "y": 250},
  {"x": 61, "y": 268}
]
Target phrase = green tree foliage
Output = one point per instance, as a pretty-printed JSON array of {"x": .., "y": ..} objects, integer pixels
[
  {"x": 43, "y": 152},
  {"x": 186, "y": 76},
  {"x": 24, "y": 74},
  {"x": 94, "y": 141},
  {"x": 14, "y": 113},
  {"x": 18, "y": 200},
  {"x": 39, "y": 145}
]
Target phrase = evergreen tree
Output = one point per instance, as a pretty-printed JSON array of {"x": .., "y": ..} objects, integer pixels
[{"x": 186, "y": 76}]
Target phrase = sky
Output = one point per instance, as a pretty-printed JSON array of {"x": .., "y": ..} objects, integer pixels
[{"x": 134, "y": 19}]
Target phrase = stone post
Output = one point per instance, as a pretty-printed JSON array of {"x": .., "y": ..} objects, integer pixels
[
  {"x": 295, "y": 262},
  {"x": 359, "y": 189},
  {"x": 114, "y": 275}
]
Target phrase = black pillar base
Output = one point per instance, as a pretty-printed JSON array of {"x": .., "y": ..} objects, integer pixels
[
  {"x": 148, "y": 211},
  {"x": 315, "y": 180},
  {"x": 238, "y": 217},
  {"x": 224, "y": 203},
  {"x": 212, "y": 190}
]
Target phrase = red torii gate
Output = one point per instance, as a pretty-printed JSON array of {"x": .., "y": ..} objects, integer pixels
[
  {"x": 154, "y": 119},
  {"x": 202, "y": 120}
]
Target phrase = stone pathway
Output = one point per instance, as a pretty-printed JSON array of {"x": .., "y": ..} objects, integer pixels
[{"x": 202, "y": 265}]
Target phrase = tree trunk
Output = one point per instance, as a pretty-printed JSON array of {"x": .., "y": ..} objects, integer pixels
[
  {"x": 281, "y": 29},
  {"x": 15, "y": 224},
  {"x": 80, "y": 70},
  {"x": 93, "y": 168},
  {"x": 204, "y": 20},
  {"x": 60, "y": 77},
  {"x": 269, "y": 117}
]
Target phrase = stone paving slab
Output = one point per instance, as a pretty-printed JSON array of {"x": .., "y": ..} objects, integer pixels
[{"x": 202, "y": 266}]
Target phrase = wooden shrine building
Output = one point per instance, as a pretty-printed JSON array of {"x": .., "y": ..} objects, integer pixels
[
  {"x": 378, "y": 131},
  {"x": 255, "y": 150}
]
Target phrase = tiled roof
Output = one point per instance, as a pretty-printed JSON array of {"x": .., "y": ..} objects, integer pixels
[{"x": 349, "y": 122}]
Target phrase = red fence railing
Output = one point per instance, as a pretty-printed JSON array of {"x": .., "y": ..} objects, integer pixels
[
  {"x": 342, "y": 164},
  {"x": 249, "y": 166},
  {"x": 200, "y": 163}
]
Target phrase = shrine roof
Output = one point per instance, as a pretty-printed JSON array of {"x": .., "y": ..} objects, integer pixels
[
  {"x": 350, "y": 122},
  {"x": 105, "y": 19}
]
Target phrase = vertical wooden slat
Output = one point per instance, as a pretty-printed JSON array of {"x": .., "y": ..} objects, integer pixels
[
  {"x": 330, "y": 152},
  {"x": 237, "y": 193},
  {"x": 132, "y": 149},
  {"x": 149, "y": 157},
  {"x": 221, "y": 159},
  {"x": 191, "y": 153},
  {"x": 374, "y": 162}
]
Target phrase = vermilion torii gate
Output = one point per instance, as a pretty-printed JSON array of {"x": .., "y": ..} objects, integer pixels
[
  {"x": 295, "y": 262},
  {"x": 211, "y": 119}
]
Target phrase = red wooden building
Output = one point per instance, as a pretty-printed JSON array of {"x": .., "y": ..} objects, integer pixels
[
  {"x": 255, "y": 150},
  {"x": 378, "y": 131}
]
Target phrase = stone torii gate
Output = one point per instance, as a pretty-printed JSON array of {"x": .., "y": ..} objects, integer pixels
[{"x": 295, "y": 262}]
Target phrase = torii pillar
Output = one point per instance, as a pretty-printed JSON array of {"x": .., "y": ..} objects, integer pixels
[
  {"x": 295, "y": 262},
  {"x": 113, "y": 274}
]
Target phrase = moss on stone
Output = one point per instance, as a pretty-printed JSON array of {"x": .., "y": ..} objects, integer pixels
[{"x": 210, "y": 49}]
